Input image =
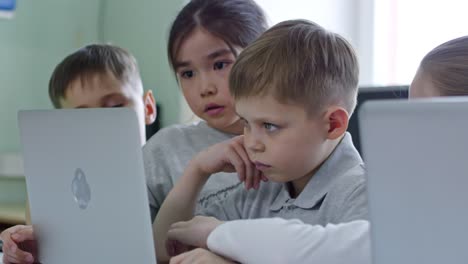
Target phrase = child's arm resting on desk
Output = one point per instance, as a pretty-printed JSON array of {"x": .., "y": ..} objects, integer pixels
[
  {"x": 199, "y": 255},
  {"x": 194, "y": 232},
  {"x": 291, "y": 241},
  {"x": 179, "y": 205},
  {"x": 18, "y": 244}
]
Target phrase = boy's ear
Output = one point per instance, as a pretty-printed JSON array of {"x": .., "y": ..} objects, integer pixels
[
  {"x": 150, "y": 107},
  {"x": 337, "y": 119}
]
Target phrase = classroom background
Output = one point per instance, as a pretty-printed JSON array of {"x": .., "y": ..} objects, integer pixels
[{"x": 390, "y": 36}]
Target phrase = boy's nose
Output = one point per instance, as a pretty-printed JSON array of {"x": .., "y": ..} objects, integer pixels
[{"x": 253, "y": 144}]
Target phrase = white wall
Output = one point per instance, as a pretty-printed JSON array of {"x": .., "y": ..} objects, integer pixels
[
  {"x": 336, "y": 15},
  {"x": 348, "y": 18},
  {"x": 142, "y": 27},
  {"x": 407, "y": 30}
]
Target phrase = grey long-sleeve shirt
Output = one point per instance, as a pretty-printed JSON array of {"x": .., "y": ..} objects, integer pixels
[{"x": 168, "y": 152}]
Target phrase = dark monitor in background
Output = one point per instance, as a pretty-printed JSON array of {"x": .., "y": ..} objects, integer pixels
[{"x": 373, "y": 93}]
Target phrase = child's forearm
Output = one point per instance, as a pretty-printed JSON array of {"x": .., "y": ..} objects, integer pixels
[
  {"x": 179, "y": 205},
  {"x": 291, "y": 241}
]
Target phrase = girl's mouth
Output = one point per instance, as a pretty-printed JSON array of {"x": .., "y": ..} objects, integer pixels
[{"x": 214, "y": 109}]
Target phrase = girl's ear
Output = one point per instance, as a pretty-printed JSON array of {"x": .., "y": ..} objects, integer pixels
[
  {"x": 337, "y": 119},
  {"x": 150, "y": 107}
]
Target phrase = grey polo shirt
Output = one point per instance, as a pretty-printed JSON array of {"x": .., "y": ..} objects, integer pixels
[{"x": 335, "y": 194}]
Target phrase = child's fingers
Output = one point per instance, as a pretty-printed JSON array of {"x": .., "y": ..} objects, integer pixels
[
  {"x": 253, "y": 172},
  {"x": 11, "y": 251},
  {"x": 8, "y": 243},
  {"x": 174, "y": 247},
  {"x": 237, "y": 162},
  {"x": 178, "y": 259},
  {"x": 176, "y": 234},
  {"x": 9, "y": 246},
  {"x": 23, "y": 234},
  {"x": 257, "y": 179},
  {"x": 7, "y": 259},
  {"x": 249, "y": 167},
  {"x": 195, "y": 256},
  {"x": 16, "y": 235},
  {"x": 264, "y": 178},
  {"x": 18, "y": 256},
  {"x": 177, "y": 225},
  {"x": 184, "y": 258},
  {"x": 180, "y": 232}
]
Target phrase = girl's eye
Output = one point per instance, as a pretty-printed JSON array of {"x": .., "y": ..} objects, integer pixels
[
  {"x": 270, "y": 127},
  {"x": 220, "y": 65},
  {"x": 187, "y": 74},
  {"x": 118, "y": 105}
]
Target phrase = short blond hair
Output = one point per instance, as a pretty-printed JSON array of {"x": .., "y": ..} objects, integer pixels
[{"x": 299, "y": 62}]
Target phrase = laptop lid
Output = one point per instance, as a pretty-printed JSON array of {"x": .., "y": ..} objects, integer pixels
[
  {"x": 86, "y": 186},
  {"x": 416, "y": 154}
]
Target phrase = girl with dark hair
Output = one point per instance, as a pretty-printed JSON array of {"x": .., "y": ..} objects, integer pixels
[{"x": 204, "y": 41}]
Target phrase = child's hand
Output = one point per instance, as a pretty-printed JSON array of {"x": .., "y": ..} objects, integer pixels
[
  {"x": 229, "y": 156},
  {"x": 19, "y": 245},
  {"x": 198, "y": 256},
  {"x": 194, "y": 232}
]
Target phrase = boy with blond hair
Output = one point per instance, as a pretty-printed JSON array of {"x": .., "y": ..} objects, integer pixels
[{"x": 295, "y": 89}]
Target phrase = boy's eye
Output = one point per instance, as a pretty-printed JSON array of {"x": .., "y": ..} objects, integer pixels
[
  {"x": 187, "y": 74},
  {"x": 270, "y": 127},
  {"x": 115, "y": 102},
  {"x": 220, "y": 65}
]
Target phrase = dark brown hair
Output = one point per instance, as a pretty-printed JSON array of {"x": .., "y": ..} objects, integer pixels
[
  {"x": 90, "y": 60},
  {"x": 298, "y": 61},
  {"x": 237, "y": 22},
  {"x": 447, "y": 67}
]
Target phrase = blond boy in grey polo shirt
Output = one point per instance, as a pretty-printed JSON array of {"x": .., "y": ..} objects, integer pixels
[{"x": 295, "y": 88}]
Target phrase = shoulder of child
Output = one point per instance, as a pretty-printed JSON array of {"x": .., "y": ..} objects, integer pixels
[
  {"x": 167, "y": 133},
  {"x": 348, "y": 182},
  {"x": 350, "y": 195}
]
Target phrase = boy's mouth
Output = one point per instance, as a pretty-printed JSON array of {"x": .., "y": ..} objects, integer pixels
[
  {"x": 261, "y": 166},
  {"x": 214, "y": 109}
]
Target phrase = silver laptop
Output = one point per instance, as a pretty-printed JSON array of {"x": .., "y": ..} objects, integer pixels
[
  {"x": 416, "y": 153},
  {"x": 86, "y": 186}
]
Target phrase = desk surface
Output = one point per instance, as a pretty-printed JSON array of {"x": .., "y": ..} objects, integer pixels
[{"x": 12, "y": 213}]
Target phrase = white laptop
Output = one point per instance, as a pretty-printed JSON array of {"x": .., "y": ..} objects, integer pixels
[
  {"x": 416, "y": 154},
  {"x": 86, "y": 186}
]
